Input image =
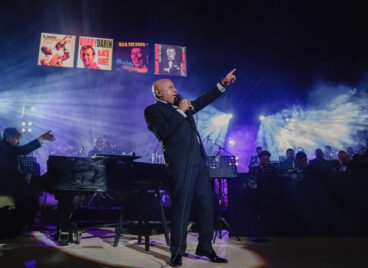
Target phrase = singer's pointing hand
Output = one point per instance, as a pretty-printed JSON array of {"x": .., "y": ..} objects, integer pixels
[
  {"x": 229, "y": 78},
  {"x": 185, "y": 105},
  {"x": 48, "y": 136}
]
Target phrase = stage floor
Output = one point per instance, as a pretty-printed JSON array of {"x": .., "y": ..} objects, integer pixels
[{"x": 96, "y": 250}]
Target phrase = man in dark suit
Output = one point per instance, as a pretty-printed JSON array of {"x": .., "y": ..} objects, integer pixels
[
  {"x": 254, "y": 160},
  {"x": 13, "y": 183},
  {"x": 172, "y": 123},
  {"x": 289, "y": 162},
  {"x": 171, "y": 64},
  {"x": 319, "y": 163}
]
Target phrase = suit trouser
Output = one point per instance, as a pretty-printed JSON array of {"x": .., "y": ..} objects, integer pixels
[
  {"x": 23, "y": 214},
  {"x": 184, "y": 187},
  {"x": 26, "y": 206}
]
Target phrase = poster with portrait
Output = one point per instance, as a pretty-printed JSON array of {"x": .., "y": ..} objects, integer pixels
[
  {"x": 132, "y": 57},
  {"x": 95, "y": 53},
  {"x": 170, "y": 60},
  {"x": 56, "y": 50}
]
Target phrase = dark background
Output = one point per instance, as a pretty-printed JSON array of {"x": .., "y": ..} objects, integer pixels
[{"x": 277, "y": 46}]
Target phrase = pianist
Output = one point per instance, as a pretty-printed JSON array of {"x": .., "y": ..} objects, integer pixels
[
  {"x": 171, "y": 120},
  {"x": 102, "y": 146},
  {"x": 13, "y": 184}
]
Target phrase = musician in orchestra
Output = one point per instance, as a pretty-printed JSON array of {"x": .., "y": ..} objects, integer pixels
[
  {"x": 319, "y": 163},
  {"x": 264, "y": 163},
  {"x": 98, "y": 148},
  {"x": 13, "y": 184},
  {"x": 101, "y": 146},
  {"x": 254, "y": 160},
  {"x": 171, "y": 121},
  {"x": 345, "y": 165},
  {"x": 289, "y": 162}
]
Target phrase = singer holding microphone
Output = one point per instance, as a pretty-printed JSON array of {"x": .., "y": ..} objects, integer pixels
[{"x": 171, "y": 121}]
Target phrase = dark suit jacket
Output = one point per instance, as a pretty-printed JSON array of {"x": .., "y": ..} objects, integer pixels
[
  {"x": 177, "y": 134},
  {"x": 320, "y": 164},
  {"x": 11, "y": 181}
]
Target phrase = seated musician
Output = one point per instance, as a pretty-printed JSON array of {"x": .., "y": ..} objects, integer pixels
[
  {"x": 101, "y": 146},
  {"x": 13, "y": 184},
  {"x": 265, "y": 164},
  {"x": 254, "y": 160},
  {"x": 345, "y": 163},
  {"x": 319, "y": 163},
  {"x": 302, "y": 162},
  {"x": 289, "y": 162}
]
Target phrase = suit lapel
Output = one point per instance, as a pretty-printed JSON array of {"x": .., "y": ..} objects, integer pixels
[{"x": 166, "y": 105}]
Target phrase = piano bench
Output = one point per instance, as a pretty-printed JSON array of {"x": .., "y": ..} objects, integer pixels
[{"x": 144, "y": 186}]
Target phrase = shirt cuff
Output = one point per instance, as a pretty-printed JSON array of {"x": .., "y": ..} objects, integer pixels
[
  {"x": 181, "y": 112},
  {"x": 220, "y": 87},
  {"x": 40, "y": 140}
]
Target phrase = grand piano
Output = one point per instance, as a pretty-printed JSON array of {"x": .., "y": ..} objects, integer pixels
[{"x": 71, "y": 176}]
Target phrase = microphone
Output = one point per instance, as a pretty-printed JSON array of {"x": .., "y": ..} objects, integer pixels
[{"x": 178, "y": 98}]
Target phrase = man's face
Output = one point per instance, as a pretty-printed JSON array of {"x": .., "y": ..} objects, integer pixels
[
  {"x": 99, "y": 142},
  {"x": 167, "y": 90},
  {"x": 265, "y": 160},
  {"x": 87, "y": 57},
  {"x": 171, "y": 53},
  {"x": 46, "y": 50},
  {"x": 343, "y": 157},
  {"x": 302, "y": 162},
  {"x": 15, "y": 140},
  {"x": 137, "y": 56},
  {"x": 290, "y": 154},
  {"x": 319, "y": 154}
]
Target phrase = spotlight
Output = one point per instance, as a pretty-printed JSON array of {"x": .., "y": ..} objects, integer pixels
[
  {"x": 231, "y": 142},
  {"x": 23, "y": 123},
  {"x": 29, "y": 123},
  {"x": 262, "y": 117},
  {"x": 236, "y": 157},
  {"x": 221, "y": 121},
  {"x": 30, "y": 130},
  {"x": 23, "y": 130},
  {"x": 230, "y": 116},
  {"x": 286, "y": 117}
]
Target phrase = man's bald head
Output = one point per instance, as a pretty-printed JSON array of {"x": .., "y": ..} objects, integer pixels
[
  {"x": 158, "y": 84},
  {"x": 164, "y": 89}
]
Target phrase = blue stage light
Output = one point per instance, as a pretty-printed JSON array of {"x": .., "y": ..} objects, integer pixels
[
  {"x": 231, "y": 142},
  {"x": 338, "y": 122}
]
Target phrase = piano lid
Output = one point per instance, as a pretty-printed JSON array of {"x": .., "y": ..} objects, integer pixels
[{"x": 121, "y": 157}]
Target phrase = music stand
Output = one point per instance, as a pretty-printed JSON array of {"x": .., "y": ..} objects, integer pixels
[
  {"x": 221, "y": 168},
  {"x": 29, "y": 165}
]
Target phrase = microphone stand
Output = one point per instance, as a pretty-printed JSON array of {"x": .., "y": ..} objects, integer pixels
[
  {"x": 221, "y": 150},
  {"x": 220, "y": 220}
]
